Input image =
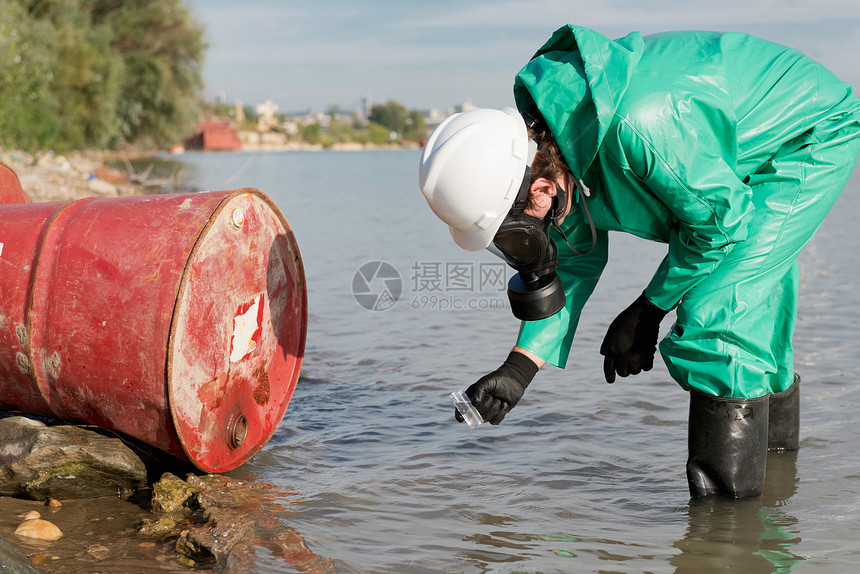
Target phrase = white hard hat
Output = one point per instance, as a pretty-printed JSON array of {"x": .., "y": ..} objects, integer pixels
[{"x": 471, "y": 170}]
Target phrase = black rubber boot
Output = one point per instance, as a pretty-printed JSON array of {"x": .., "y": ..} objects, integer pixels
[
  {"x": 727, "y": 442},
  {"x": 783, "y": 429}
]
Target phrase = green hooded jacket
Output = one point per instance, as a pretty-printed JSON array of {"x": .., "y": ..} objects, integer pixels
[{"x": 665, "y": 130}]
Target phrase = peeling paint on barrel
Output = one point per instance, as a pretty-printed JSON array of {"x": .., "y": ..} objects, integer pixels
[
  {"x": 261, "y": 393},
  {"x": 52, "y": 365},
  {"x": 23, "y": 363},
  {"x": 247, "y": 329}
]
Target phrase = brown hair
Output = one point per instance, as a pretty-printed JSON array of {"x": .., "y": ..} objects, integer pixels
[{"x": 548, "y": 162}]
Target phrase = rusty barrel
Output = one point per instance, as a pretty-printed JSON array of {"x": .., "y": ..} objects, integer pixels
[
  {"x": 179, "y": 320},
  {"x": 10, "y": 186}
]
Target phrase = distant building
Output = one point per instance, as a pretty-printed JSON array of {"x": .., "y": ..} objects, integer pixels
[
  {"x": 267, "y": 120},
  {"x": 366, "y": 108},
  {"x": 436, "y": 116},
  {"x": 215, "y": 135},
  {"x": 240, "y": 112},
  {"x": 467, "y": 105}
]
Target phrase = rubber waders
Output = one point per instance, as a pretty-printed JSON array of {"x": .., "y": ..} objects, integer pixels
[
  {"x": 783, "y": 431},
  {"x": 727, "y": 445}
]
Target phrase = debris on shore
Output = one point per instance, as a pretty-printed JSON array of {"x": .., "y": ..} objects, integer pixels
[{"x": 51, "y": 177}]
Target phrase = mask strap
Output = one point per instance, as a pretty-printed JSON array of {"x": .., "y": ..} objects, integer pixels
[
  {"x": 581, "y": 194},
  {"x": 523, "y": 193}
]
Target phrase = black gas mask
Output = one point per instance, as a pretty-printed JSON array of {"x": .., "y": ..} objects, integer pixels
[{"x": 535, "y": 292}]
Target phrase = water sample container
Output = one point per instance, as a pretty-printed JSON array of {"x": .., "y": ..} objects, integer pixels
[
  {"x": 179, "y": 320},
  {"x": 466, "y": 409}
]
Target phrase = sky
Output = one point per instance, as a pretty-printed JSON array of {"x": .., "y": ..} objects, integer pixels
[{"x": 436, "y": 54}]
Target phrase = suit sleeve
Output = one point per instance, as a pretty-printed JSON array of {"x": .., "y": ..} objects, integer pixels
[{"x": 551, "y": 338}]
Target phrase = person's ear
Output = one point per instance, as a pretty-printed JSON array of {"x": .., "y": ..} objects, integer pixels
[
  {"x": 541, "y": 192},
  {"x": 542, "y": 188}
]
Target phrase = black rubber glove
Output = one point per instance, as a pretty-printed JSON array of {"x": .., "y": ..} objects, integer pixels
[
  {"x": 631, "y": 340},
  {"x": 496, "y": 393}
]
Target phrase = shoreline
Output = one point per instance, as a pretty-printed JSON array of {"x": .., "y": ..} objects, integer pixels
[
  {"x": 46, "y": 176},
  {"x": 304, "y": 147}
]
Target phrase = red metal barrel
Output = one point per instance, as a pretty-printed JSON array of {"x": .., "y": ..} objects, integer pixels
[
  {"x": 179, "y": 320},
  {"x": 10, "y": 186}
]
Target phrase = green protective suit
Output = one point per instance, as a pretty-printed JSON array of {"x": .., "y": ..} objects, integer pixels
[{"x": 730, "y": 149}]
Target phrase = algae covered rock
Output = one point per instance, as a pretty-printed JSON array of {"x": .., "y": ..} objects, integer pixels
[
  {"x": 171, "y": 494},
  {"x": 239, "y": 517},
  {"x": 63, "y": 462},
  {"x": 172, "y": 505}
]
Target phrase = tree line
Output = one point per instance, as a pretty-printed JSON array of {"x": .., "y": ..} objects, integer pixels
[
  {"x": 388, "y": 123},
  {"x": 103, "y": 74},
  {"x": 80, "y": 74}
]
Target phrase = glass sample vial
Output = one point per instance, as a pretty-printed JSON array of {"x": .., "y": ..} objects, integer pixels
[{"x": 465, "y": 407}]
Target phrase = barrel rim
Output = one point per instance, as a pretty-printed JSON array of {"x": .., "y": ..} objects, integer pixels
[{"x": 180, "y": 293}]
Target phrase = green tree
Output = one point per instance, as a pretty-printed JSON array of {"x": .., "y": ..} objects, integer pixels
[
  {"x": 391, "y": 115},
  {"x": 311, "y": 133},
  {"x": 26, "y": 71},
  {"x": 251, "y": 115},
  {"x": 97, "y": 73},
  {"x": 223, "y": 110},
  {"x": 340, "y": 132},
  {"x": 58, "y": 77},
  {"x": 162, "y": 48},
  {"x": 416, "y": 129},
  {"x": 86, "y": 77},
  {"x": 378, "y": 134}
]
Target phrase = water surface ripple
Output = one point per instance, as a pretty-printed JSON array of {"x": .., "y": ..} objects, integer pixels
[{"x": 582, "y": 476}]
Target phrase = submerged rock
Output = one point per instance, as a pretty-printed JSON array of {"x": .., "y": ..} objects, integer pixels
[
  {"x": 163, "y": 528},
  {"x": 228, "y": 520},
  {"x": 212, "y": 521},
  {"x": 172, "y": 505},
  {"x": 62, "y": 462},
  {"x": 13, "y": 561},
  {"x": 99, "y": 551},
  {"x": 171, "y": 494},
  {"x": 39, "y": 529}
]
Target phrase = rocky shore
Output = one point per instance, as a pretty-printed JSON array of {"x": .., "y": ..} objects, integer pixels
[
  {"x": 76, "y": 499},
  {"x": 51, "y": 177}
]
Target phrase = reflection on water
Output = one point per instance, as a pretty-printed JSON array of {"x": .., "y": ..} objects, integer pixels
[
  {"x": 581, "y": 476},
  {"x": 754, "y": 536}
]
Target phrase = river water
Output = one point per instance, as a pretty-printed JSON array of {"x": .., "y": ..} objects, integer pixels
[{"x": 582, "y": 476}]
